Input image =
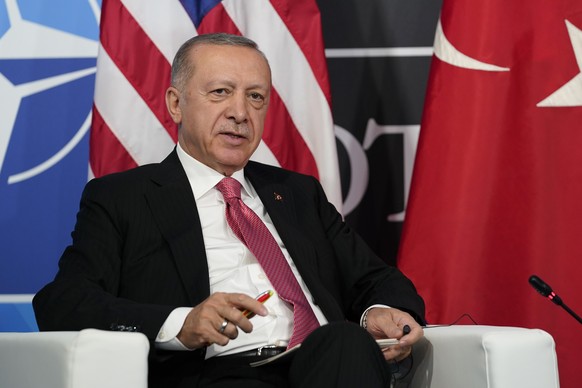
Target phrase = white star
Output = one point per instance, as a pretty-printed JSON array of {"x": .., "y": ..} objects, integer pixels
[{"x": 569, "y": 94}]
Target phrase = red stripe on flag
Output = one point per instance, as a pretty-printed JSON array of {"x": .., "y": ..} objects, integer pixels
[
  {"x": 285, "y": 141},
  {"x": 217, "y": 20},
  {"x": 281, "y": 134},
  {"x": 306, "y": 30},
  {"x": 140, "y": 61},
  {"x": 106, "y": 153}
]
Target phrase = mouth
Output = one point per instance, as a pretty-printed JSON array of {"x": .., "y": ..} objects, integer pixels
[
  {"x": 233, "y": 135},
  {"x": 233, "y": 138}
]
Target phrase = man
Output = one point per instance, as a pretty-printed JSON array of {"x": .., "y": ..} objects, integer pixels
[{"x": 165, "y": 249}]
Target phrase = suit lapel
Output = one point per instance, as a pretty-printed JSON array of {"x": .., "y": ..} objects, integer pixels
[
  {"x": 279, "y": 202},
  {"x": 173, "y": 206},
  {"x": 283, "y": 209}
]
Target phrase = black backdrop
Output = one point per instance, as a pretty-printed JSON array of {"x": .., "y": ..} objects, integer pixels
[{"x": 378, "y": 54}]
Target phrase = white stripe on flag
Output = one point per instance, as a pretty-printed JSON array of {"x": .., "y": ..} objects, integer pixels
[
  {"x": 165, "y": 22},
  {"x": 140, "y": 132},
  {"x": 264, "y": 154}
]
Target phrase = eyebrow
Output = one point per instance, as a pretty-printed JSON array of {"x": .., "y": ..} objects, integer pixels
[{"x": 227, "y": 83}]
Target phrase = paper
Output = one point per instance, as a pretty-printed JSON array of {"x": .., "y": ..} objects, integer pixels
[{"x": 383, "y": 343}]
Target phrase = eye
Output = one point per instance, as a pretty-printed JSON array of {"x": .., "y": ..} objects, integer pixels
[
  {"x": 256, "y": 96},
  {"x": 220, "y": 92}
]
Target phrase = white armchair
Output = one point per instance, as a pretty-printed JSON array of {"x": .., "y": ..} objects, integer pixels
[
  {"x": 483, "y": 357},
  {"x": 83, "y": 359},
  {"x": 448, "y": 357}
]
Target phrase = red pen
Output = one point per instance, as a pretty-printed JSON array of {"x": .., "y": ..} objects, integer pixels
[{"x": 262, "y": 298}]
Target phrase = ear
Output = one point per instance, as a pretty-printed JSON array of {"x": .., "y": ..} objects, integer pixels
[{"x": 173, "y": 104}]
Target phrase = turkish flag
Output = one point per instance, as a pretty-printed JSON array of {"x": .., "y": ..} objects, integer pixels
[{"x": 496, "y": 192}]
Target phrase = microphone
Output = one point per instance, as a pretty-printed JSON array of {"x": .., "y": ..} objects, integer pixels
[{"x": 545, "y": 289}]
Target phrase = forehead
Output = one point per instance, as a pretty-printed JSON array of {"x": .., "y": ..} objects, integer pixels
[{"x": 224, "y": 60}]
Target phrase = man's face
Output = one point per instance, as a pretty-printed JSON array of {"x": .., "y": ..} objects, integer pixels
[{"x": 221, "y": 109}]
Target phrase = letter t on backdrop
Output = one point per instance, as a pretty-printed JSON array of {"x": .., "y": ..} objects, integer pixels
[{"x": 497, "y": 187}]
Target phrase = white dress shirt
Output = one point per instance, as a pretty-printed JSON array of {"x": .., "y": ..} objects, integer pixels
[{"x": 232, "y": 267}]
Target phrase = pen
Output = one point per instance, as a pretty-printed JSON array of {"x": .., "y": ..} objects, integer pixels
[
  {"x": 261, "y": 298},
  {"x": 406, "y": 329}
]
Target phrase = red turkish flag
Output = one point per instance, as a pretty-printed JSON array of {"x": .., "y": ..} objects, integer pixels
[{"x": 496, "y": 193}]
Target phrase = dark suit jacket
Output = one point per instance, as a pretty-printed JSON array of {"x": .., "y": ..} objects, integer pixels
[{"x": 138, "y": 252}]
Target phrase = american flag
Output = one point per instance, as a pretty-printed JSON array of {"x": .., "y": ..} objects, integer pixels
[{"x": 138, "y": 41}]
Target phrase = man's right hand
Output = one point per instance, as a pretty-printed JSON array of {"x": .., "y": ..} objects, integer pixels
[{"x": 203, "y": 324}]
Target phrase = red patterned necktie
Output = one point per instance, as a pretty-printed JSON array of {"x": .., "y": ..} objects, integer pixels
[{"x": 249, "y": 228}]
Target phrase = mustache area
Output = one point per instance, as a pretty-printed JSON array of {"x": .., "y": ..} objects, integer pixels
[{"x": 237, "y": 130}]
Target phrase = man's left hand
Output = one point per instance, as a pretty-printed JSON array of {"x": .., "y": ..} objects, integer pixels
[{"x": 389, "y": 323}]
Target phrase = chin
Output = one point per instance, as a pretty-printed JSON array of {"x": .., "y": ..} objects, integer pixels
[{"x": 231, "y": 166}]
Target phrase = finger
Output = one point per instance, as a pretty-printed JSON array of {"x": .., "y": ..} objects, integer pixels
[
  {"x": 391, "y": 353},
  {"x": 218, "y": 332},
  {"x": 203, "y": 324},
  {"x": 230, "y": 330},
  {"x": 237, "y": 319},
  {"x": 416, "y": 333},
  {"x": 396, "y": 352},
  {"x": 223, "y": 326},
  {"x": 246, "y": 303},
  {"x": 220, "y": 306},
  {"x": 236, "y": 313},
  {"x": 404, "y": 352}
]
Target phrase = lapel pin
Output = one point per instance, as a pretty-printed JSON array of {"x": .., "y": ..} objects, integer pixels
[{"x": 278, "y": 197}]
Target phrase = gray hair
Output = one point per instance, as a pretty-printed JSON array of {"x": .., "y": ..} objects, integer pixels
[{"x": 182, "y": 66}]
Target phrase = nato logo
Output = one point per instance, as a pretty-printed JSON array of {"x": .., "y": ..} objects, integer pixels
[{"x": 48, "y": 55}]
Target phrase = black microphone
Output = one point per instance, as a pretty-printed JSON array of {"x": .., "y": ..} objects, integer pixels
[{"x": 545, "y": 289}]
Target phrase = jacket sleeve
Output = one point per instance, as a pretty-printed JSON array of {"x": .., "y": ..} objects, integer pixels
[
  {"x": 93, "y": 287},
  {"x": 361, "y": 278}
]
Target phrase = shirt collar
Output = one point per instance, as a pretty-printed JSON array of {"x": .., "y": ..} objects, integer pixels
[{"x": 203, "y": 178}]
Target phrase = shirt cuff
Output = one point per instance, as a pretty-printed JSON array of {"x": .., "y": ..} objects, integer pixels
[
  {"x": 364, "y": 316},
  {"x": 167, "y": 336}
]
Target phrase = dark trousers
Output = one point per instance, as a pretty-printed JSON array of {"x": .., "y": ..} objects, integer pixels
[{"x": 335, "y": 355}]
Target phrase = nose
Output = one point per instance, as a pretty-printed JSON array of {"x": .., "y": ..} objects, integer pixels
[{"x": 237, "y": 108}]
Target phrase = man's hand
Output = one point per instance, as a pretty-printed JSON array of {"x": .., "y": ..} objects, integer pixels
[
  {"x": 389, "y": 323},
  {"x": 202, "y": 326}
]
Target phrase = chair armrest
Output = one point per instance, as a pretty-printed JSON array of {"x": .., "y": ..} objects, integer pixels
[
  {"x": 484, "y": 357},
  {"x": 89, "y": 359}
]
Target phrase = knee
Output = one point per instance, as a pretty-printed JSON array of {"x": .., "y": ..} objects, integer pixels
[
  {"x": 339, "y": 354},
  {"x": 345, "y": 334}
]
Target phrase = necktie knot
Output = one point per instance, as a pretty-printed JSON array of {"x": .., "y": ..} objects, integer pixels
[{"x": 229, "y": 187}]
